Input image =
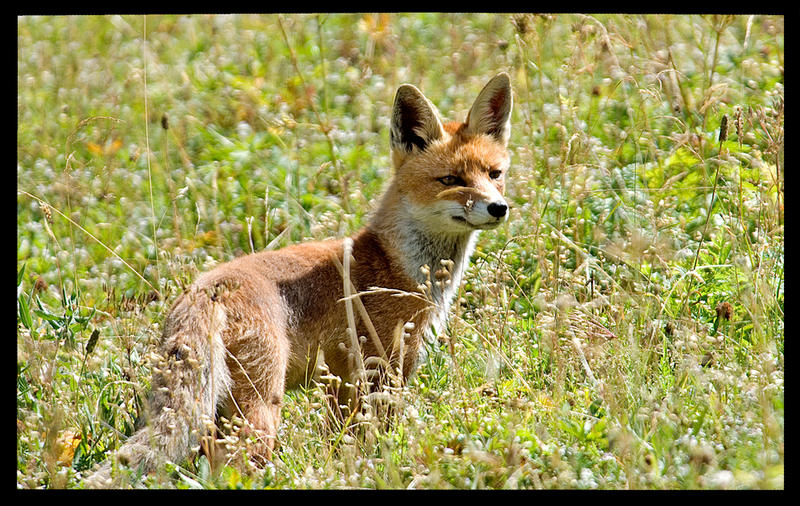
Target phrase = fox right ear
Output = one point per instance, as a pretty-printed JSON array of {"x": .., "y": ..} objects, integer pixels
[
  {"x": 415, "y": 121},
  {"x": 491, "y": 112}
]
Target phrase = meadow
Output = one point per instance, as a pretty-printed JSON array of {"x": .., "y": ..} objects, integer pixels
[{"x": 623, "y": 330}]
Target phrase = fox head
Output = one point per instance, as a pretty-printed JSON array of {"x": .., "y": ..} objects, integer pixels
[{"x": 451, "y": 176}]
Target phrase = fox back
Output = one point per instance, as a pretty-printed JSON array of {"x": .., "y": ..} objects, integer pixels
[{"x": 247, "y": 330}]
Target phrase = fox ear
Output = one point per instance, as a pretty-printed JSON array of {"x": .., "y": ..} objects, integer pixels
[
  {"x": 491, "y": 112},
  {"x": 415, "y": 121}
]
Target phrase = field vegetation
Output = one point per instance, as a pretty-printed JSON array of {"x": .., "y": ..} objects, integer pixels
[{"x": 624, "y": 329}]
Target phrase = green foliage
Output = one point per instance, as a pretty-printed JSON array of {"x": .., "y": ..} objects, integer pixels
[{"x": 590, "y": 346}]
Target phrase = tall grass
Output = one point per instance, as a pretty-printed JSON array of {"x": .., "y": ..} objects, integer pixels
[{"x": 624, "y": 330}]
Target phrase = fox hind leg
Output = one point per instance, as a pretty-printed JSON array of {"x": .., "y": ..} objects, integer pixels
[
  {"x": 263, "y": 419},
  {"x": 259, "y": 376}
]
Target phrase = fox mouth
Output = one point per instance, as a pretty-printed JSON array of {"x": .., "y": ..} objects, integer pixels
[{"x": 477, "y": 226}]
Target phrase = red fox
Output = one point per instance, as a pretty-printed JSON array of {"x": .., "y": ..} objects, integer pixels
[{"x": 249, "y": 329}]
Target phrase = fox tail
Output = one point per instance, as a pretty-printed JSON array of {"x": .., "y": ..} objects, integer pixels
[{"x": 190, "y": 377}]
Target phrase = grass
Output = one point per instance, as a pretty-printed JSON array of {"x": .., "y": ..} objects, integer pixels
[{"x": 624, "y": 330}]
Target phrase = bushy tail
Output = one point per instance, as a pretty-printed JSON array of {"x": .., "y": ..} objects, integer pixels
[{"x": 189, "y": 378}]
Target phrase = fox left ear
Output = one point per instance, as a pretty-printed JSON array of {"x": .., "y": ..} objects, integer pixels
[
  {"x": 415, "y": 122},
  {"x": 491, "y": 112}
]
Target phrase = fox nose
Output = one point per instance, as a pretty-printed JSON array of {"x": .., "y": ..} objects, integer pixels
[{"x": 497, "y": 209}]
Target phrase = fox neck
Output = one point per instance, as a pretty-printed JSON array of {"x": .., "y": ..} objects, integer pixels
[{"x": 413, "y": 246}]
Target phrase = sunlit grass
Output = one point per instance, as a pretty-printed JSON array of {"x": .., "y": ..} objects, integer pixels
[{"x": 591, "y": 346}]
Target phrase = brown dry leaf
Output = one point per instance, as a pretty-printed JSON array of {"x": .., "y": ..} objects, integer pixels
[
  {"x": 66, "y": 443},
  {"x": 114, "y": 147},
  {"x": 109, "y": 149},
  {"x": 207, "y": 238},
  {"x": 95, "y": 149}
]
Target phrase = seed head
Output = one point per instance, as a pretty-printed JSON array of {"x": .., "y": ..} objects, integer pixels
[
  {"x": 522, "y": 23},
  {"x": 739, "y": 125},
  {"x": 39, "y": 285},
  {"x": 723, "y": 128},
  {"x": 724, "y": 310},
  {"x": 48, "y": 214}
]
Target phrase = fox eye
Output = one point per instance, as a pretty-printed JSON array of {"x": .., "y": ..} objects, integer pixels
[
  {"x": 494, "y": 174},
  {"x": 449, "y": 180}
]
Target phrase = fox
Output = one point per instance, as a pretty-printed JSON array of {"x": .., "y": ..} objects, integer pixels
[{"x": 246, "y": 331}]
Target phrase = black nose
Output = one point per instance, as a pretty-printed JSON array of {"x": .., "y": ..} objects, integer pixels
[{"x": 497, "y": 209}]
